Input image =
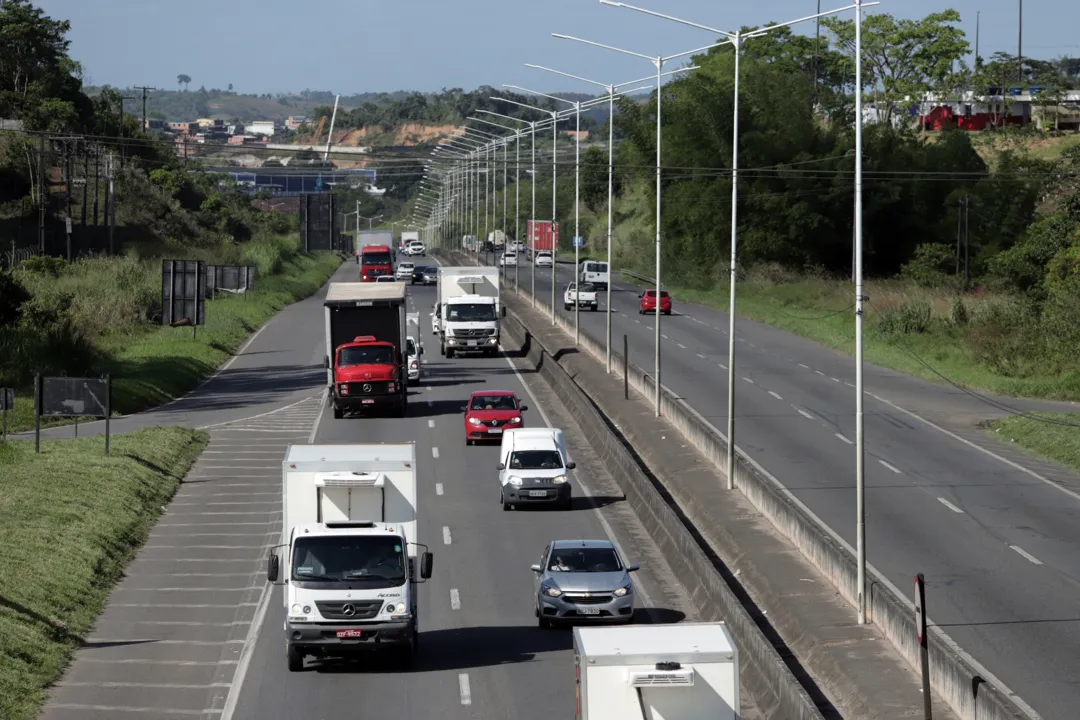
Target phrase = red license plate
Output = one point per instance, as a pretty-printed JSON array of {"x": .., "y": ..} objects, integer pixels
[{"x": 349, "y": 633}]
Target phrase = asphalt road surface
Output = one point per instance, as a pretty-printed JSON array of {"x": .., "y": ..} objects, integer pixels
[
  {"x": 193, "y": 629},
  {"x": 997, "y": 535}
]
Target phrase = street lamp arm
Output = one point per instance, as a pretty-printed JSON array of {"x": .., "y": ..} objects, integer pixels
[
  {"x": 552, "y": 113},
  {"x": 575, "y": 77},
  {"x": 769, "y": 28},
  {"x": 696, "y": 51},
  {"x": 535, "y": 92},
  {"x": 516, "y": 131},
  {"x": 725, "y": 33},
  {"x": 601, "y": 45},
  {"x": 507, "y": 117}
]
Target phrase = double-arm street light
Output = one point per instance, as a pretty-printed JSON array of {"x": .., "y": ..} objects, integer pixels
[
  {"x": 736, "y": 38},
  {"x": 610, "y": 200},
  {"x": 659, "y": 62},
  {"x": 517, "y": 180}
]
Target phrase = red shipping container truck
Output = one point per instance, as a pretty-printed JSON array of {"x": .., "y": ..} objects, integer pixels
[{"x": 541, "y": 237}]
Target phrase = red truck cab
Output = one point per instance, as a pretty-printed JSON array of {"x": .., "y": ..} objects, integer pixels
[
  {"x": 367, "y": 375},
  {"x": 375, "y": 260}
]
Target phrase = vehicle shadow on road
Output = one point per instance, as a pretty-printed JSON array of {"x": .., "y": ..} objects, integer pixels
[{"x": 437, "y": 408}]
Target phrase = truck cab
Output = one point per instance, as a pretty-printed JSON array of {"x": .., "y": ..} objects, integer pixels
[
  {"x": 469, "y": 310},
  {"x": 375, "y": 262},
  {"x": 350, "y": 564},
  {"x": 365, "y": 347}
]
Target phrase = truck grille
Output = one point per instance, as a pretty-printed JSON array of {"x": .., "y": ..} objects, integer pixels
[
  {"x": 362, "y": 389},
  {"x": 473, "y": 332},
  {"x": 587, "y": 600},
  {"x": 362, "y": 609}
]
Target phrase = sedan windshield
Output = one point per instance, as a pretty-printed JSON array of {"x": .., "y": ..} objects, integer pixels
[
  {"x": 493, "y": 402},
  {"x": 535, "y": 460},
  {"x": 372, "y": 355},
  {"x": 376, "y": 560},
  {"x": 584, "y": 560},
  {"x": 470, "y": 313}
]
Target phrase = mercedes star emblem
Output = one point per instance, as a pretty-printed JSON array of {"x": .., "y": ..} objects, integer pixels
[
  {"x": 367, "y": 387},
  {"x": 348, "y": 610}
]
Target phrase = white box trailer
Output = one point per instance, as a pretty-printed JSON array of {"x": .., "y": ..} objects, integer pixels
[
  {"x": 469, "y": 310},
  {"x": 684, "y": 671},
  {"x": 349, "y": 550}
]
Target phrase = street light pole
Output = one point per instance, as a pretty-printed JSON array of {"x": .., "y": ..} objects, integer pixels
[{"x": 860, "y": 449}]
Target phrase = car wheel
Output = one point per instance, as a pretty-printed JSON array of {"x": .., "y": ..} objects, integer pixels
[
  {"x": 595, "y": 308},
  {"x": 667, "y": 312},
  {"x": 468, "y": 442},
  {"x": 506, "y": 505},
  {"x": 295, "y": 657},
  {"x": 542, "y": 622}
]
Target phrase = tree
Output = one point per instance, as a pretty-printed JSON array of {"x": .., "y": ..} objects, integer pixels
[
  {"x": 230, "y": 87},
  {"x": 184, "y": 80},
  {"x": 904, "y": 58}
]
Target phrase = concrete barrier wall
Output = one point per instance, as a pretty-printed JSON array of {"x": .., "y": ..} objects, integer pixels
[
  {"x": 775, "y": 690},
  {"x": 969, "y": 689}
]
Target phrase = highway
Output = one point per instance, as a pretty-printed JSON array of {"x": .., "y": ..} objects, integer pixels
[
  {"x": 998, "y": 542},
  {"x": 482, "y": 654}
]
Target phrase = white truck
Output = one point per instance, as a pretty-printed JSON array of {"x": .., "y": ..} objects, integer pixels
[
  {"x": 685, "y": 671},
  {"x": 349, "y": 558},
  {"x": 469, "y": 310},
  {"x": 408, "y": 236}
]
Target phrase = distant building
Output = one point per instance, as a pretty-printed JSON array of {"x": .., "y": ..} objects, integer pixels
[
  {"x": 584, "y": 134},
  {"x": 6, "y": 124},
  {"x": 261, "y": 127},
  {"x": 295, "y": 121},
  {"x": 184, "y": 128}
]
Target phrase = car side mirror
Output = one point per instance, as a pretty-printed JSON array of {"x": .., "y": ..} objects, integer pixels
[
  {"x": 500, "y": 466},
  {"x": 536, "y": 568},
  {"x": 524, "y": 408},
  {"x": 571, "y": 465},
  {"x": 633, "y": 567},
  {"x": 273, "y": 567},
  {"x": 426, "y": 561},
  {"x": 464, "y": 409}
]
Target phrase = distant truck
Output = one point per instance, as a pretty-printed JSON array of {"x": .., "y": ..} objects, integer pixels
[
  {"x": 497, "y": 238},
  {"x": 409, "y": 235},
  {"x": 468, "y": 310},
  {"x": 348, "y": 561},
  {"x": 688, "y": 671},
  {"x": 374, "y": 254},
  {"x": 541, "y": 237},
  {"x": 365, "y": 347}
]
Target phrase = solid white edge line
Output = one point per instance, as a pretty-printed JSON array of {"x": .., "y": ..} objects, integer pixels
[
  {"x": 949, "y": 505},
  {"x": 463, "y": 688},
  {"x": 1026, "y": 555},
  {"x": 584, "y": 488}
]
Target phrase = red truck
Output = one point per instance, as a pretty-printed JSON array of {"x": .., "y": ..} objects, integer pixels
[
  {"x": 541, "y": 237},
  {"x": 365, "y": 339},
  {"x": 375, "y": 260}
]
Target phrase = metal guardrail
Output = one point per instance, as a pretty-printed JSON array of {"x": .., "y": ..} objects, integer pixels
[
  {"x": 11, "y": 258},
  {"x": 639, "y": 276}
]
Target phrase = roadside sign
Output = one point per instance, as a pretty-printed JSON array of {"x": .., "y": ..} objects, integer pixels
[
  {"x": 7, "y": 398},
  {"x": 579, "y": 241}
]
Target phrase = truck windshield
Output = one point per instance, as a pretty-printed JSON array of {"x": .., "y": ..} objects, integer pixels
[
  {"x": 373, "y": 355},
  {"x": 535, "y": 460},
  {"x": 470, "y": 312},
  {"x": 378, "y": 560},
  {"x": 377, "y": 258},
  {"x": 410, "y": 347}
]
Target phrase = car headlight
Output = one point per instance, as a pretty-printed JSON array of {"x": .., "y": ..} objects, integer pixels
[
  {"x": 514, "y": 421},
  {"x": 475, "y": 421},
  {"x": 624, "y": 590},
  {"x": 559, "y": 480},
  {"x": 514, "y": 480},
  {"x": 550, "y": 590}
]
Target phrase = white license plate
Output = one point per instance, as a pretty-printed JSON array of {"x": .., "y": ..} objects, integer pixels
[
  {"x": 367, "y": 402},
  {"x": 588, "y": 610},
  {"x": 538, "y": 493},
  {"x": 470, "y": 343},
  {"x": 495, "y": 430},
  {"x": 349, "y": 633}
]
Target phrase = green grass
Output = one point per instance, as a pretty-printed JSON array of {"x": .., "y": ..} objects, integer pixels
[
  {"x": 70, "y": 521},
  {"x": 966, "y": 351},
  {"x": 152, "y": 364},
  {"x": 1048, "y": 440}
]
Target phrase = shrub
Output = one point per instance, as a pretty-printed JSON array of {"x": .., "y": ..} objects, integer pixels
[
  {"x": 931, "y": 265},
  {"x": 914, "y": 316},
  {"x": 12, "y": 296}
]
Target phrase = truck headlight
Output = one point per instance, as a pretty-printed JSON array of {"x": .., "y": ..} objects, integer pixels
[
  {"x": 559, "y": 480},
  {"x": 493, "y": 340},
  {"x": 624, "y": 590},
  {"x": 343, "y": 388},
  {"x": 514, "y": 480},
  {"x": 299, "y": 610}
]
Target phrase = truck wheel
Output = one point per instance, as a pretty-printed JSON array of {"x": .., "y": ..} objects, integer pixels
[
  {"x": 450, "y": 353},
  {"x": 296, "y": 658},
  {"x": 338, "y": 413}
]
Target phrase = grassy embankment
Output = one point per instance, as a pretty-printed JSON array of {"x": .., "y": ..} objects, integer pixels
[
  {"x": 70, "y": 521},
  {"x": 97, "y": 314}
]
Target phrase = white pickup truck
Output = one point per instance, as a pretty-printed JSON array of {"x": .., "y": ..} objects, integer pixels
[{"x": 585, "y": 296}]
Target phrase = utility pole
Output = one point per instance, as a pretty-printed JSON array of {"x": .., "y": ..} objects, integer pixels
[
  {"x": 120, "y": 130},
  {"x": 1020, "y": 46},
  {"x": 145, "y": 90},
  {"x": 977, "y": 14},
  {"x": 42, "y": 194},
  {"x": 85, "y": 182},
  {"x": 110, "y": 201},
  {"x": 967, "y": 245},
  {"x": 97, "y": 181}
]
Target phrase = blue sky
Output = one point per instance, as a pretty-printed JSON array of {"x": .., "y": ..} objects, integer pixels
[{"x": 352, "y": 46}]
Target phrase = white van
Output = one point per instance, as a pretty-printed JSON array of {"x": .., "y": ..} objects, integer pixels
[
  {"x": 534, "y": 468},
  {"x": 597, "y": 273}
]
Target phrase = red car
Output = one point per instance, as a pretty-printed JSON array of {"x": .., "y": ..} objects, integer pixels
[
  {"x": 647, "y": 302},
  {"x": 489, "y": 412}
]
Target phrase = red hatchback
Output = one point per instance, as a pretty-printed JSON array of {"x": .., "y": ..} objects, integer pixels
[
  {"x": 647, "y": 302},
  {"x": 489, "y": 412}
]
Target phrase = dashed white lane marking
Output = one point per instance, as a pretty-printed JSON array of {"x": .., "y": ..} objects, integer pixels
[
  {"x": 463, "y": 688},
  {"x": 431, "y": 423},
  {"x": 438, "y": 489},
  {"x": 775, "y": 395},
  {"x": 455, "y": 599},
  {"x": 836, "y": 380},
  {"x": 805, "y": 414},
  {"x": 637, "y": 321},
  {"x": 1026, "y": 555},
  {"x": 445, "y": 535},
  {"x": 897, "y": 471},
  {"x": 749, "y": 381},
  {"x": 722, "y": 366},
  {"x": 819, "y": 372},
  {"x": 664, "y": 336},
  {"x": 700, "y": 356},
  {"x": 848, "y": 384},
  {"x": 681, "y": 345},
  {"x": 434, "y": 452},
  {"x": 844, "y": 439},
  {"x": 804, "y": 366},
  {"x": 949, "y": 505}
]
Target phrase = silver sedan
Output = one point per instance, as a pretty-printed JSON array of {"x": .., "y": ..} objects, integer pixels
[{"x": 583, "y": 580}]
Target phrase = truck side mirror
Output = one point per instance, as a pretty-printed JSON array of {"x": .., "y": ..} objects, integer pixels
[
  {"x": 500, "y": 466},
  {"x": 273, "y": 567},
  {"x": 503, "y": 311},
  {"x": 421, "y": 349},
  {"x": 426, "y": 561},
  {"x": 326, "y": 361},
  {"x": 571, "y": 465}
]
